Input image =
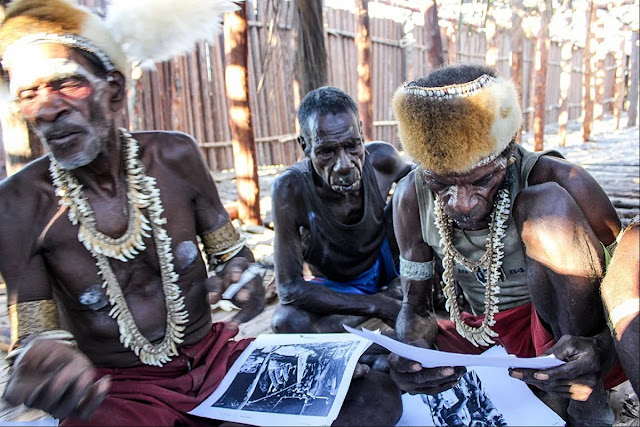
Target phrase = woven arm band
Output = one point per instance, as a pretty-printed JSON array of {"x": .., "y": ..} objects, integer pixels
[
  {"x": 416, "y": 270},
  {"x": 34, "y": 319},
  {"x": 223, "y": 244}
]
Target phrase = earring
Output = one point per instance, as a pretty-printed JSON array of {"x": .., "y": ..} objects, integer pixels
[{"x": 512, "y": 160}]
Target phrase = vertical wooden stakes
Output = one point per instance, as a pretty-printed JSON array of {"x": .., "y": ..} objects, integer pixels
[
  {"x": 237, "y": 89},
  {"x": 363, "y": 46},
  {"x": 588, "y": 84},
  {"x": 542, "y": 66}
]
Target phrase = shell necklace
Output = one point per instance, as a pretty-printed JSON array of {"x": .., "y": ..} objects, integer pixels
[
  {"x": 141, "y": 194},
  {"x": 490, "y": 262}
]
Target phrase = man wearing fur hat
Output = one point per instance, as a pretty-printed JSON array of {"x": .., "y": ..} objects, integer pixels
[
  {"x": 522, "y": 240},
  {"x": 106, "y": 286}
]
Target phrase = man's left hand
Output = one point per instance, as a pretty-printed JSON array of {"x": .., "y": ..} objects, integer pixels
[
  {"x": 576, "y": 378},
  {"x": 250, "y": 298}
]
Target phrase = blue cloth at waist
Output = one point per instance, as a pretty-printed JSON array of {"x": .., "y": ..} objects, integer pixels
[{"x": 368, "y": 282}]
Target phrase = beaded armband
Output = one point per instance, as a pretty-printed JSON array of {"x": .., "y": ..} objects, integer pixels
[
  {"x": 416, "y": 270},
  {"x": 222, "y": 244}
]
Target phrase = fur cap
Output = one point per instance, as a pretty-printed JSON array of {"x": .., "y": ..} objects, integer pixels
[{"x": 453, "y": 129}]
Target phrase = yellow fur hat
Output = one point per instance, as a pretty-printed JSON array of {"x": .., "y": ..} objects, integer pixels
[
  {"x": 456, "y": 128},
  {"x": 133, "y": 31}
]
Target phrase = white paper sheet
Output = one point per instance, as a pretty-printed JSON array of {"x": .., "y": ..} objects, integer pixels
[
  {"x": 433, "y": 358},
  {"x": 41, "y": 422},
  {"x": 505, "y": 401},
  {"x": 287, "y": 380}
]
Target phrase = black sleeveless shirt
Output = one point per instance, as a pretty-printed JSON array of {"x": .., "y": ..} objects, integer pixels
[{"x": 335, "y": 250}]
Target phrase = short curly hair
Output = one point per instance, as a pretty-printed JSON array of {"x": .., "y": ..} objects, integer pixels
[{"x": 325, "y": 99}]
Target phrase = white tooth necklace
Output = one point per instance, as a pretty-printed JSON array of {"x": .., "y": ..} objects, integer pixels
[{"x": 141, "y": 194}]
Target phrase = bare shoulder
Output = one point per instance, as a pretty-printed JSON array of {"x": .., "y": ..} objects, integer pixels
[
  {"x": 27, "y": 197},
  {"x": 286, "y": 188},
  {"x": 404, "y": 195},
  {"x": 26, "y": 187},
  {"x": 555, "y": 169},
  {"x": 387, "y": 163},
  {"x": 383, "y": 156},
  {"x": 381, "y": 148},
  {"x": 173, "y": 154},
  {"x": 169, "y": 146}
]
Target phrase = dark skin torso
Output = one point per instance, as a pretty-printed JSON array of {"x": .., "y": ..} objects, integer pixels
[
  {"x": 581, "y": 186},
  {"x": 74, "y": 108},
  {"x": 349, "y": 208},
  {"x": 345, "y": 208},
  {"x": 563, "y": 205},
  {"x": 291, "y": 216},
  {"x": 179, "y": 175}
]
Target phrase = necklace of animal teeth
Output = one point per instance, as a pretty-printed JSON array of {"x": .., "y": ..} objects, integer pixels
[
  {"x": 142, "y": 193},
  {"x": 490, "y": 261}
]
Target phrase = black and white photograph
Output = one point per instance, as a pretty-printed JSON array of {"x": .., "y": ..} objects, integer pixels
[
  {"x": 290, "y": 379},
  {"x": 306, "y": 380},
  {"x": 485, "y": 396},
  {"x": 466, "y": 404}
]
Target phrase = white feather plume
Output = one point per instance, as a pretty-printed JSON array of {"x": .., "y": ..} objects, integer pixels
[{"x": 151, "y": 31}]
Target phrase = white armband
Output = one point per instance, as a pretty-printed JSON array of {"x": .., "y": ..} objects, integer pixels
[
  {"x": 416, "y": 270},
  {"x": 628, "y": 307}
]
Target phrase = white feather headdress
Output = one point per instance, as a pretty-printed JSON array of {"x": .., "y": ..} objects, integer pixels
[
  {"x": 151, "y": 31},
  {"x": 139, "y": 32}
]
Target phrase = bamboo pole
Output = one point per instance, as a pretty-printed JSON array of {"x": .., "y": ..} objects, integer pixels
[
  {"x": 632, "y": 113},
  {"x": 363, "y": 46},
  {"x": 589, "y": 87},
  {"x": 517, "y": 40},
  {"x": 434, "y": 39},
  {"x": 618, "y": 106},
  {"x": 491, "y": 56},
  {"x": 237, "y": 89},
  {"x": 565, "y": 85},
  {"x": 542, "y": 66},
  {"x": 312, "y": 52}
]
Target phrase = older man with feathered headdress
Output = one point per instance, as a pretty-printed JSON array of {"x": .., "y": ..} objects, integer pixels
[
  {"x": 521, "y": 240},
  {"x": 99, "y": 240}
]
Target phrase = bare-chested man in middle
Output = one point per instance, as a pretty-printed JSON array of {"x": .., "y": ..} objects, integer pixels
[{"x": 330, "y": 212}]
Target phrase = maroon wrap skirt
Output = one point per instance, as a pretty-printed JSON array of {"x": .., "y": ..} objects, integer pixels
[
  {"x": 520, "y": 332},
  {"x": 150, "y": 395}
]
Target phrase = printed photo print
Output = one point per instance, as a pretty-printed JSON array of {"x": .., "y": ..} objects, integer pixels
[
  {"x": 466, "y": 404},
  {"x": 300, "y": 379}
]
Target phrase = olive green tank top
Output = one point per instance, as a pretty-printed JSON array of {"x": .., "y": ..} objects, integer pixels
[{"x": 472, "y": 243}]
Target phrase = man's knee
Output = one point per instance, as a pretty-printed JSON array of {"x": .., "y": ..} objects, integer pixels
[
  {"x": 546, "y": 216},
  {"x": 542, "y": 201},
  {"x": 287, "y": 319},
  {"x": 372, "y": 400},
  {"x": 554, "y": 230}
]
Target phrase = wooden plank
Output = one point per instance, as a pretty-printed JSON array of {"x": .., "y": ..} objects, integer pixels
[
  {"x": 196, "y": 95},
  {"x": 147, "y": 102}
]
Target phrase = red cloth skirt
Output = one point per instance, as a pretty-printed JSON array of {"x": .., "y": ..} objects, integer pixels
[
  {"x": 520, "y": 332},
  {"x": 162, "y": 396}
]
